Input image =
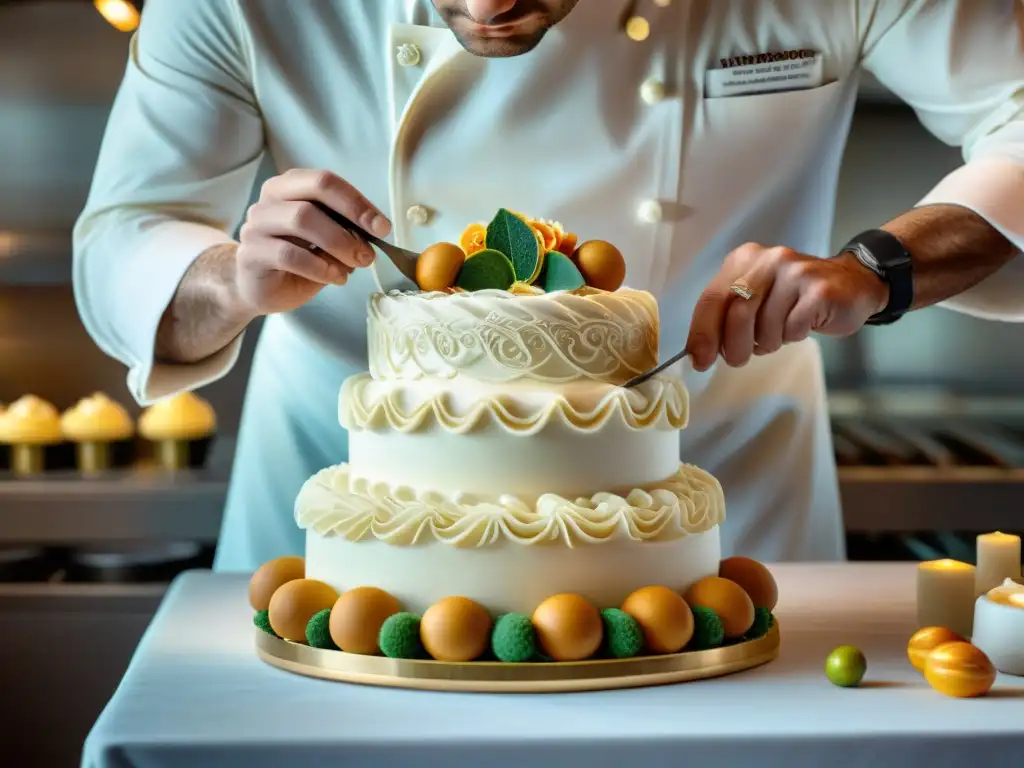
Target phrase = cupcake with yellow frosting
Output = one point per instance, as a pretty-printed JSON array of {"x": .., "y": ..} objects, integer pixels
[
  {"x": 101, "y": 431},
  {"x": 181, "y": 428},
  {"x": 30, "y": 427},
  {"x": 5, "y": 450}
]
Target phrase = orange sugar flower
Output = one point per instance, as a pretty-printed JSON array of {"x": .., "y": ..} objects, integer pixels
[
  {"x": 473, "y": 239},
  {"x": 545, "y": 234},
  {"x": 568, "y": 244}
]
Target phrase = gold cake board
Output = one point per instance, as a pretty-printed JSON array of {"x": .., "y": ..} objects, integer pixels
[{"x": 501, "y": 677}]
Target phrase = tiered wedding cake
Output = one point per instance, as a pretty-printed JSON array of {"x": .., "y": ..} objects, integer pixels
[
  {"x": 494, "y": 455},
  {"x": 498, "y": 468}
]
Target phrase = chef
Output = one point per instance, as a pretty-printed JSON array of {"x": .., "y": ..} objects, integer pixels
[{"x": 704, "y": 137}]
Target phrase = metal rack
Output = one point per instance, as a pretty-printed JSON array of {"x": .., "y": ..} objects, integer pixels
[
  {"x": 138, "y": 504},
  {"x": 35, "y": 258},
  {"x": 895, "y": 476}
]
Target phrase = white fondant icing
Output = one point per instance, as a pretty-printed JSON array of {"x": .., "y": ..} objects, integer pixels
[
  {"x": 491, "y": 461},
  {"x": 508, "y": 576},
  {"x": 499, "y": 336}
]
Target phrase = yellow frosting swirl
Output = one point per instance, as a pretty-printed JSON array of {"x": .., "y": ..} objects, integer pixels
[
  {"x": 184, "y": 416},
  {"x": 30, "y": 420},
  {"x": 98, "y": 418},
  {"x": 332, "y": 503},
  {"x": 661, "y": 402}
]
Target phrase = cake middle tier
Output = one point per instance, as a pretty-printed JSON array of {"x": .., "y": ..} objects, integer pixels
[
  {"x": 506, "y": 554},
  {"x": 482, "y": 441}
]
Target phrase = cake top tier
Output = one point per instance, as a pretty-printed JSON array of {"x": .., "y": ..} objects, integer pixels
[
  {"x": 518, "y": 298},
  {"x": 497, "y": 336}
]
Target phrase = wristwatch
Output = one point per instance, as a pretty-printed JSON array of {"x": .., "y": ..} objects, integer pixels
[{"x": 884, "y": 254}]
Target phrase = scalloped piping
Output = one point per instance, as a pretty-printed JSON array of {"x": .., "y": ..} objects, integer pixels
[
  {"x": 331, "y": 503},
  {"x": 663, "y": 403}
]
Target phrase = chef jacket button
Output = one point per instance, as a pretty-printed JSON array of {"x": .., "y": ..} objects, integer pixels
[
  {"x": 408, "y": 55},
  {"x": 637, "y": 28},
  {"x": 652, "y": 91},
  {"x": 650, "y": 212},
  {"x": 418, "y": 215}
]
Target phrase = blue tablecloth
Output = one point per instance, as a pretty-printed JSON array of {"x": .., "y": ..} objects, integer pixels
[{"x": 196, "y": 695}]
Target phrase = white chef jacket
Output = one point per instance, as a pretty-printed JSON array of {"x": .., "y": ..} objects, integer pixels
[{"x": 615, "y": 138}]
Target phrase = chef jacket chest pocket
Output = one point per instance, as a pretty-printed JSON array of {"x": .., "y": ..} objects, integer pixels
[{"x": 747, "y": 142}]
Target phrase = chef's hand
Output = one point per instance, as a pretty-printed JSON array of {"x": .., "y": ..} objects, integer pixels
[
  {"x": 790, "y": 296},
  {"x": 276, "y": 270}
]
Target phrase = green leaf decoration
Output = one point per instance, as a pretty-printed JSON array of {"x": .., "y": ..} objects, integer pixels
[
  {"x": 559, "y": 273},
  {"x": 540, "y": 268},
  {"x": 510, "y": 235},
  {"x": 486, "y": 269}
]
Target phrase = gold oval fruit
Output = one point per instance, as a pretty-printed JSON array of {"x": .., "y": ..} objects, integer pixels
[
  {"x": 726, "y": 598},
  {"x": 455, "y": 629},
  {"x": 664, "y": 617},
  {"x": 601, "y": 264},
  {"x": 357, "y": 616},
  {"x": 756, "y": 580},
  {"x": 568, "y": 627},
  {"x": 271, "y": 575},
  {"x": 293, "y": 605},
  {"x": 927, "y": 639},
  {"x": 438, "y": 266},
  {"x": 960, "y": 670}
]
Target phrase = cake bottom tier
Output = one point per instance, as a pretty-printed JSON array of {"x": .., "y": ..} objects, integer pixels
[{"x": 509, "y": 576}]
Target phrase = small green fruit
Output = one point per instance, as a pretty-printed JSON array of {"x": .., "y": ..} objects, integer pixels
[
  {"x": 399, "y": 637},
  {"x": 262, "y": 620},
  {"x": 514, "y": 639},
  {"x": 846, "y": 666},
  {"x": 318, "y": 633}
]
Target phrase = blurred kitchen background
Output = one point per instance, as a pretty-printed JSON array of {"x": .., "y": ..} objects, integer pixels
[{"x": 928, "y": 414}]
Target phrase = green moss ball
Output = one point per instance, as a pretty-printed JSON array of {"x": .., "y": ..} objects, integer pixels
[
  {"x": 262, "y": 620},
  {"x": 763, "y": 621},
  {"x": 513, "y": 639},
  {"x": 318, "y": 632},
  {"x": 708, "y": 631},
  {"x": 623, "y": 636},
  {"x": 400, "y": 637}
]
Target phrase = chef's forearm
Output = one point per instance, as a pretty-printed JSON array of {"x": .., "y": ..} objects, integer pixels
[
  {"x": 206, "y": 314},
  {"x": 953, "y": 250}
]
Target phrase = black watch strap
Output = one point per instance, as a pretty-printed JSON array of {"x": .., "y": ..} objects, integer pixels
[{"x": 884, "y": 254}]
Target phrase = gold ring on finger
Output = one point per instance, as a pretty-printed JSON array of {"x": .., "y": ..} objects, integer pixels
[{"x": 742, "y": 291}]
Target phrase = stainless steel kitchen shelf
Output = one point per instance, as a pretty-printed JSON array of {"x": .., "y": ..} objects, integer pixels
[
  {"x": 134, "y": 506},
  {"x": 159, "y": 508},
  {"x": 35, "y": 258},
  {"x": 51, "y": 597},
  {"x": 64, "y": 509},
  {"x": 913, "y": 499}
]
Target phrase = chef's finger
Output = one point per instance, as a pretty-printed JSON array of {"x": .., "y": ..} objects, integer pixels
[
  {"x": 706, "y": 327},
  {"x": 331, "y": 190},
  {"x": 288, "y": 255},
  {"x": 301, "y": 220},
  {"x": 772, "y": 315},
  {"x": 802, "y": 318},
  {"x": 705, "y": 337},
  {"x": 741, "y": 313}
]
